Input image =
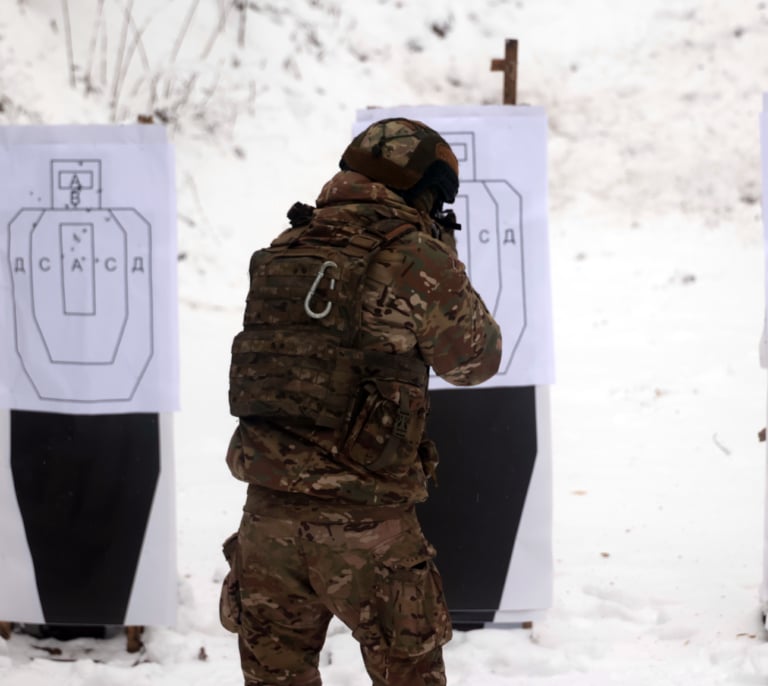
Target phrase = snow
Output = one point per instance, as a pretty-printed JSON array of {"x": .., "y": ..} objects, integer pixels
[{"x": 657, "y": 265}]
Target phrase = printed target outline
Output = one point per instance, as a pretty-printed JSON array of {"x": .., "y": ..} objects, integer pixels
[
  {"x": 504, "y": 203},
  {"x": 110, "y": 366}
]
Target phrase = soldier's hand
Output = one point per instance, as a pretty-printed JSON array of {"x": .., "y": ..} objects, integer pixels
[
  {"x": 449, "y": 239},
  {"x": 446, "y": 220}
]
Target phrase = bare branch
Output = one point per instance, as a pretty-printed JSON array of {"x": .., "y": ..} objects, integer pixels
[
  {"x": 184, "y": 29},
  {"x": 180, "y": 38},
  {"x": 136, "y": 43},
  {"x": 104, "y": 45},
  {"x": 120, "y": 56},
  {"x": 217, "y": 31},
  {"x": 243, "y": 7},
  {"x": 93, "y": 43},
  {"x": 68, "y": 34}
]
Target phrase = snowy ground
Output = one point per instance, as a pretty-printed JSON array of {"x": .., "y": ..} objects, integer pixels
[{"x": 658, "y": 299}]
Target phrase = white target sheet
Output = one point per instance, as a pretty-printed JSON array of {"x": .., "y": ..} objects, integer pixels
[
  {"x": 88, "y": 294},
  {"x": 502, "y": 208}
]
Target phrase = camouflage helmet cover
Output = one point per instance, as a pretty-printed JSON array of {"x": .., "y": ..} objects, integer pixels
[{"x": 405, "y": 155}]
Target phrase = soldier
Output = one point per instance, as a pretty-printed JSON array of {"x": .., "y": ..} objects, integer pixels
[{"x": 346, "y": 312}]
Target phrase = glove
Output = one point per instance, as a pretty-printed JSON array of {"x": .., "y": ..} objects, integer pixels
[{"x": 448, "y": 226}]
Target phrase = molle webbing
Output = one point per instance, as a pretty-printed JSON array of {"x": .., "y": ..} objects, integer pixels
[
  {"x": 288, "y": 366},
  {"x": 282, "y": 275},
  {"x": 307, "y": 378}
]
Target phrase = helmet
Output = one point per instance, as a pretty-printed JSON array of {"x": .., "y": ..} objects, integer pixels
[{"x": 406, "y": 156}]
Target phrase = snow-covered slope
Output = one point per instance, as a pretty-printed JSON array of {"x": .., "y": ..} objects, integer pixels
[{"x": 657, "y": 277}]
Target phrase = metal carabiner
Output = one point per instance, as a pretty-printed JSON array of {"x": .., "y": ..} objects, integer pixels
[{"x": 310, "y": 294}]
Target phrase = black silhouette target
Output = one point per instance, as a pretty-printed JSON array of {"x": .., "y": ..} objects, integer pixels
[
  {"x": 487, "y": 442},
  {"x": 85, "y": 486}
]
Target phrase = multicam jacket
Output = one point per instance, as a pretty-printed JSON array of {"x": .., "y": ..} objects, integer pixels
[{"x": 358, "y": 436}]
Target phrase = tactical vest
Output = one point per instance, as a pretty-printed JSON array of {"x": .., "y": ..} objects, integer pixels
[{"x": 298, "y": 361}]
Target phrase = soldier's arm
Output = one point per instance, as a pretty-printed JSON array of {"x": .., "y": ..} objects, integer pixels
[
  {"x": 458, "y": 337},
  {"x": 455, "y": 333}
]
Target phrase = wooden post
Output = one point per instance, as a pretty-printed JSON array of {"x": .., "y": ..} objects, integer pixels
[
  {"x": 133, "y": 643},
  {"x": 508, "y": 65}
]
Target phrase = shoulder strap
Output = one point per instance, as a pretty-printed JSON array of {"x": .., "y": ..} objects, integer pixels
[
  {"x": 392, "y": 229},
  {"x": 364, "y": 247}
]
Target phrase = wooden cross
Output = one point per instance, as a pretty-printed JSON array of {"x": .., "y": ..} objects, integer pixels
[{"x": 509, "y": 66}]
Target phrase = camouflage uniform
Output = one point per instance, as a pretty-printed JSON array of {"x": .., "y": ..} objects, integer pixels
[{"x": 329, "y": 526}]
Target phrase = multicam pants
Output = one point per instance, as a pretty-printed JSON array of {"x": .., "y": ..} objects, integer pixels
[{"x": 291, "y": 571}]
